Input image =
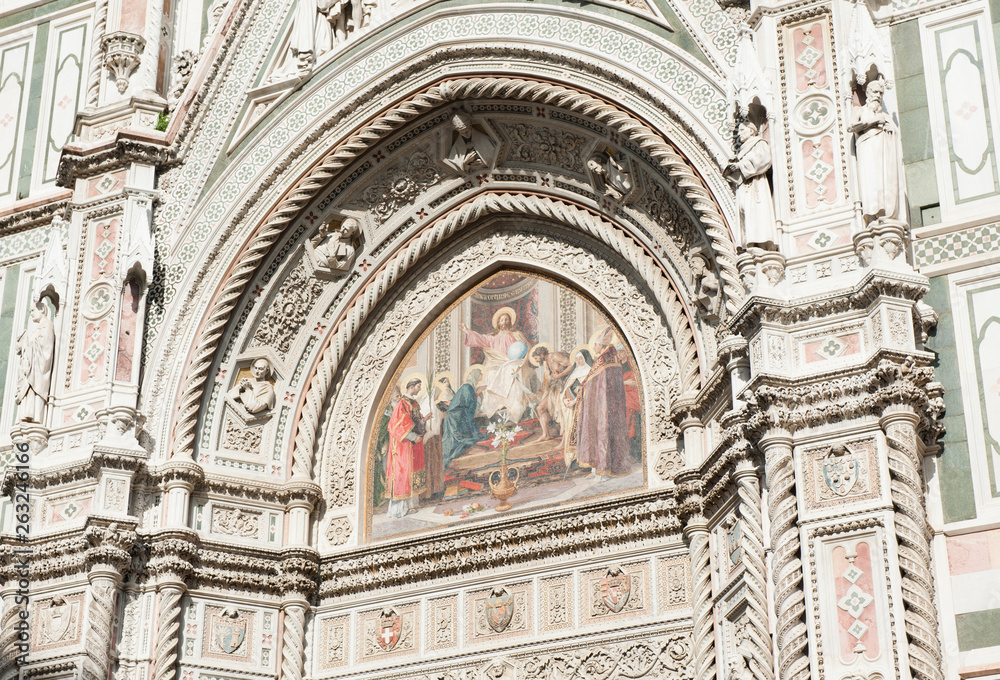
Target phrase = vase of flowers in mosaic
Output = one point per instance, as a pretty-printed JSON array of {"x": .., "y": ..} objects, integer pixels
[{"x": 503, "y": 481}]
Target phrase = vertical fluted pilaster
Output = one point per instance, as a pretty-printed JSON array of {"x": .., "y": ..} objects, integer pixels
[
  {"x": 919, "y": 614},
  {"x": 168, "y": 625},
  {"x": 703, "y": 623},
  {"x": 293, "y": 641},
  {"x": 791, "y": 634},
  {"x": 755, "y": 575}
]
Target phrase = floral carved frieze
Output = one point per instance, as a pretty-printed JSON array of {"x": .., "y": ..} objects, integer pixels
[
  {"x": 399, "y": 185},
  {"x": 545, "y": 145},
  {"x": 286, "y": 314}
]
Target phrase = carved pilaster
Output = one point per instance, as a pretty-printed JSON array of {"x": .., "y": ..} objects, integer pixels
[
  {"x": 791, "y": 634},
  {"x": 912, "y": 535}
]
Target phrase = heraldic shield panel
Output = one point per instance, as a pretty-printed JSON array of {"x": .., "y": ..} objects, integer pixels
[{"x": 522, "y": 395}]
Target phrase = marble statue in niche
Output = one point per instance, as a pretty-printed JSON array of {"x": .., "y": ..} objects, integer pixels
[
  {"x": 521, "y": 369},
  {"x": 35, "y": 349},
  {"x": 332, "y": 249},
  {"x": 471, "y": 148},
  {"x": 748, "y": 171},
  {"x": 876, "y": 141},
  {"x": 607, "y": 171},
  {"x": 256, "y": 393}
]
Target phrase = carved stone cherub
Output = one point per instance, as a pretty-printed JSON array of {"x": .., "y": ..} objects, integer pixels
[
  {"x": 256, "y": 393},
  {"x": 335, "y": 250}
]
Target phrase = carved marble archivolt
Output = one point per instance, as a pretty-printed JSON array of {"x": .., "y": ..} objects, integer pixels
[{"x": 324, "y": 173}]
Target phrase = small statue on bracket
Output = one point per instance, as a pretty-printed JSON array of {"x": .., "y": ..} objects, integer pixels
[
  {"x": 748, "y": 172},
  {"x": 876, "y": 143},
  {"x": 35, "y": 349},
  {"x": 705, "y": 287}
]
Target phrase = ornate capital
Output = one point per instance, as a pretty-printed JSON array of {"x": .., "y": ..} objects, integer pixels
[{"x": 111, "y": 546}]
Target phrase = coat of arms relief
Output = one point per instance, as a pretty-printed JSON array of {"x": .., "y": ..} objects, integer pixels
[{"x": 842, "y": 473}]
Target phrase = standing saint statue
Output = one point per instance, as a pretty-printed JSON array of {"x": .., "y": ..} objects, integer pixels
[
  {"x": 35, "y": 349},
  {"x": 753, "y": 191},
  {"x": 876, "y": 141}
]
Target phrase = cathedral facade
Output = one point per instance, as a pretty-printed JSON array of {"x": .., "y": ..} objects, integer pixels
[{"x": 455, "y": 340}]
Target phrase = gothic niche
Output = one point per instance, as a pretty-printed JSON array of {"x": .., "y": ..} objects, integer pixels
[
  {"x": 522, "y": 395},
  {"x": 249, "y": 405}
]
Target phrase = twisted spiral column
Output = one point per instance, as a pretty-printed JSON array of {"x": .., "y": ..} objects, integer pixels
[
  {"x": 104, "y": 585},
  {"x": 168, "y": 626},
  {"x": 912, "y": 536},
  {"x": 97, "y": 54},
  {"x": 9, "y": 636},
  {"x": 703, "y": 622},
  {"x": 791, "y": 633},
  {"x": 293, "y": 641},
  {"x": 755, "y": 574}
]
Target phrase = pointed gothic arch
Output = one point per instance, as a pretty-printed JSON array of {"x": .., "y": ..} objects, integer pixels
[{"x": 350, "y": 399}]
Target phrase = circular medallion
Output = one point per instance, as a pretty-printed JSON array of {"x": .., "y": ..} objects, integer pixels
[{"x": 813, "y": 114}]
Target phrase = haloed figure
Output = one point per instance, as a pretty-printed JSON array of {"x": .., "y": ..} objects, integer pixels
[{"x": 405, "y": 476}]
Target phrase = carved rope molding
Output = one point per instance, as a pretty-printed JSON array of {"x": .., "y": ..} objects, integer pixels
[
  {"x": 641, "y": 323},
  {"x": 296, "y": 200}
]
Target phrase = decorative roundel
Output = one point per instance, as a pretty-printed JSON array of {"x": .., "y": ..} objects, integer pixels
[
  {"x": 813, "y": 114},
  {"x": 98, "y": 300}
]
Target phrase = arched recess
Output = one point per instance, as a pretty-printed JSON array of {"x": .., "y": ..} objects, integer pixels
[
  {"x": 350, "y": 400},
  {"x": 329, "y": 169},
  {"x": 411, "y": 255}
]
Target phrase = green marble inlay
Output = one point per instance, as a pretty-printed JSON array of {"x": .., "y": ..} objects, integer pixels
[
  {"x": 7, "y": 303},
  {"x": 954, "y": 464},
  {"x": 34, "y": 105},
  {"x": 33, "y": 13},
  {"x": 978, "y": 629}
]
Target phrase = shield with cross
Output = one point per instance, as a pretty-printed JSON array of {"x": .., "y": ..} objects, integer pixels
[{"x": 390, "y": 627}]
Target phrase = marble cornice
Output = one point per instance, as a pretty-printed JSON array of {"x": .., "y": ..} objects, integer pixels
[
  {"x": 128, "y": 146},
  {"x": 624, "y": 521},
  {"x": 859, "y": 297}
]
